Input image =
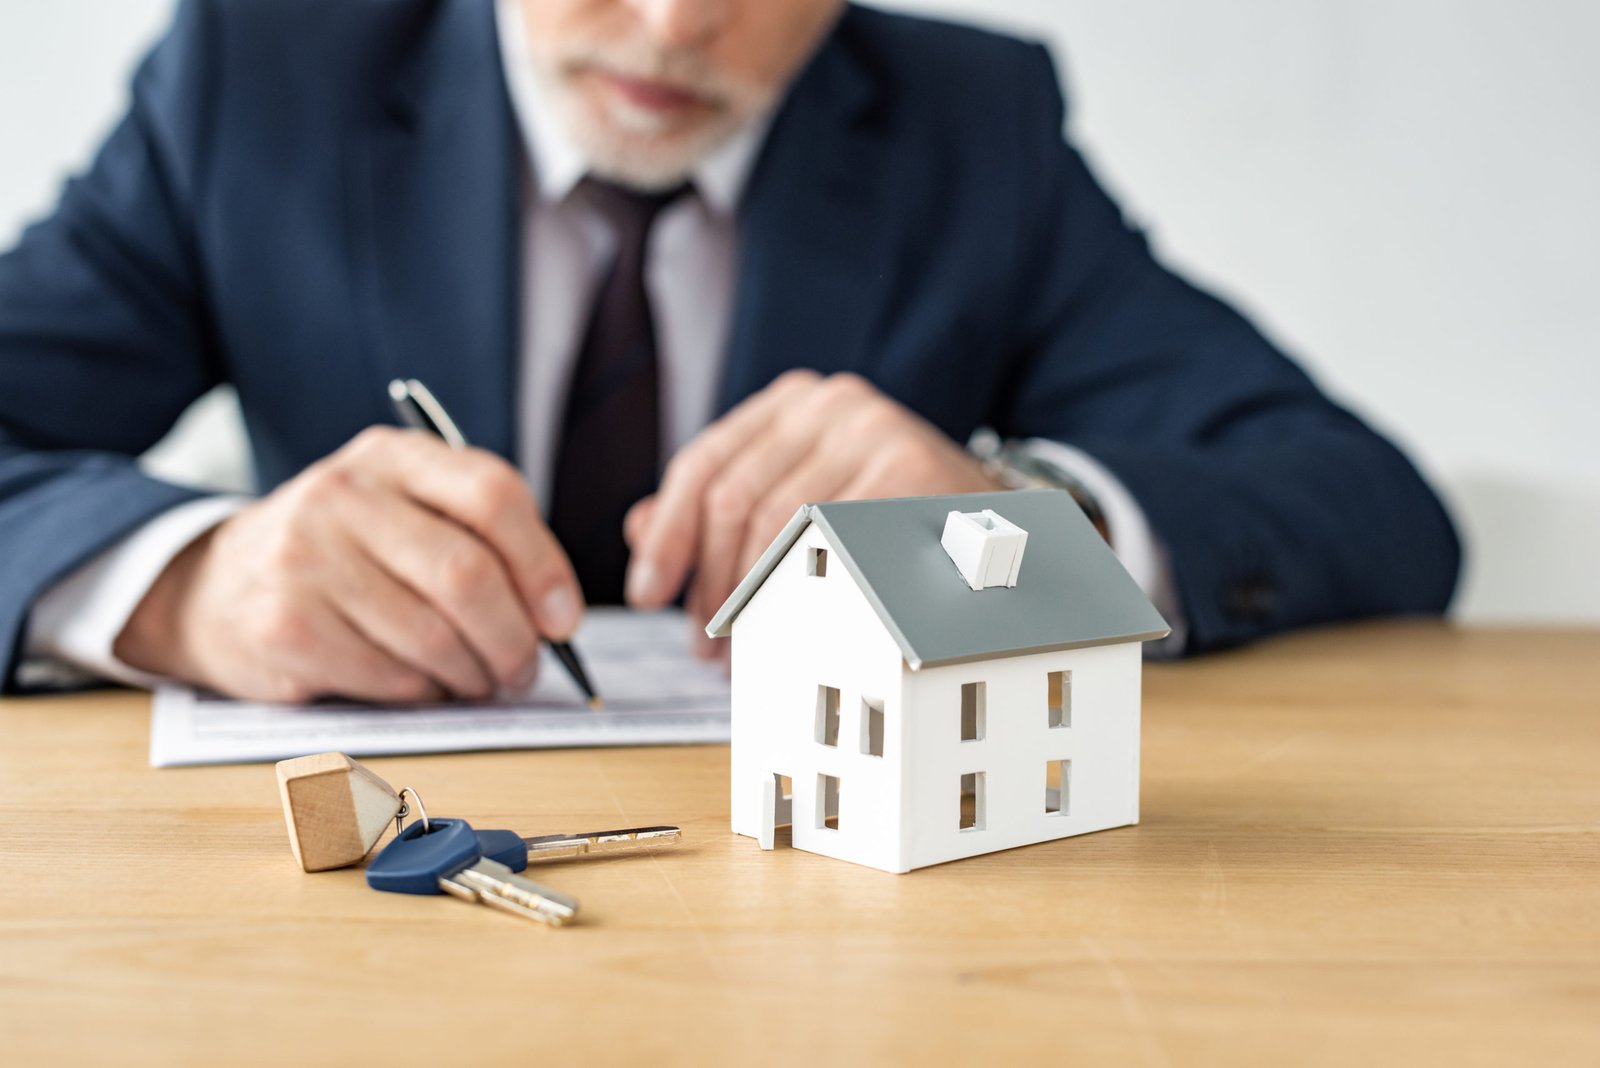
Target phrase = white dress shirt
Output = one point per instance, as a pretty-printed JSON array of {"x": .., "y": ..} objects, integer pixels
[{"x": 690, "y": 266}]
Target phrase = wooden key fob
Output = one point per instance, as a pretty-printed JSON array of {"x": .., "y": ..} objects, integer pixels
[{"x": 335, "y": 808}]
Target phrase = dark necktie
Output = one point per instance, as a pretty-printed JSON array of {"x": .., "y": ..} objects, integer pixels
[{"x": 610, "y": 444}]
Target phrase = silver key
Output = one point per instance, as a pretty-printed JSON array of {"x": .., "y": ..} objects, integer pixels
[
  {"x": 627, "y": 840},
  {"x": 488, "y": 882}
]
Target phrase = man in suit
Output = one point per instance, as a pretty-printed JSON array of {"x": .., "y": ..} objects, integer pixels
[{"x": 675, "y": 266}]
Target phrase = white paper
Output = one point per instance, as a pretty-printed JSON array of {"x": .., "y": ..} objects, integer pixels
[{"x": 655, "y": 693}]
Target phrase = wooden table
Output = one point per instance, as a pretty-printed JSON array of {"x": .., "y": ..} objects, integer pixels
[{"x": 1377, "y": 844}]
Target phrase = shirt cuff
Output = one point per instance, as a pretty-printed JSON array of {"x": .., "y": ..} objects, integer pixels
[
  {"x": 77, "y": 620},
  {"x": 1132, "y": 538}
]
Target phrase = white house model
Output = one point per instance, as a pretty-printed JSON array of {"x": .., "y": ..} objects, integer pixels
[{"x": 930, "y": 678}]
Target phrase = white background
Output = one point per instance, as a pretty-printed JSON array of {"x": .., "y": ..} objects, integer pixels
[{"x": 1404, "y": 193}]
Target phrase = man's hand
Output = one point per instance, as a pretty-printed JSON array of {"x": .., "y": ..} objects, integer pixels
[
  {"x": 397, "y": 569},
  {"x": 804, "y": 438}
]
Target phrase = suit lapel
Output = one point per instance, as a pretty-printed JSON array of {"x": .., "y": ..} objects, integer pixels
[
  {"x": 435, "y": 219},
  {"x": 812, "y": 233}
]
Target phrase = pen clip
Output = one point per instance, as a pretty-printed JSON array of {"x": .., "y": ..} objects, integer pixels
[{"x": 421, "y": 409}]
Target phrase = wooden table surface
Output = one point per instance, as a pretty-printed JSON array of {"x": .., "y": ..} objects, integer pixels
[{"x": 1377, "y": 844}]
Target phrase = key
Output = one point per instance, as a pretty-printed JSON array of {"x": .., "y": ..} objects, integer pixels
[
  {"x": 336, "y": 811},
  {"x": 516, "y": 852},
  {"x": 442, "y": 857}
]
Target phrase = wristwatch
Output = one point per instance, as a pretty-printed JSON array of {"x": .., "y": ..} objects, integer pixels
[{"x": 1015, "y": 466}]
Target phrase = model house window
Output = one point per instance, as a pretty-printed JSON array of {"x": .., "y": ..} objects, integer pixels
[
  {"x": 828, "y": 801},
  {"x": 1057, "y": 787},
  {"x": 1060, "y": 693},
  {"x": 817, "y": 562},
  {"x": 972, "y": 799},
  {"x": 972, "y": 702},
  {"x": 872, "y": 726},
  {"x": 828, "y": 715}
]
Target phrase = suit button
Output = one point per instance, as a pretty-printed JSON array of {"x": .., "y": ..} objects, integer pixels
[{"x": 1250, "y": 598}]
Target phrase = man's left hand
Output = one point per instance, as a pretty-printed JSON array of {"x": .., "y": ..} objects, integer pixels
[{"x": 805, "y": 437}]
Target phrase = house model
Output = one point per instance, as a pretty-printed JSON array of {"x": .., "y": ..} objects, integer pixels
[{"x": 930, "y": 678}]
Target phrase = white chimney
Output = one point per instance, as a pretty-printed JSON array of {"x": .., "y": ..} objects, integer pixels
[{"x": 987, "y": 549}]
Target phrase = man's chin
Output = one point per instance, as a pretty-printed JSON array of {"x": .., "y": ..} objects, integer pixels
[
  {"x": 643, "y": 148},
  {"x": 644, "y": 178},
  {"x": 649, "y": 161}
]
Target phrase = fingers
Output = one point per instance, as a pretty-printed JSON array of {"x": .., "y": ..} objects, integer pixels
[
  {"x": 759, "y": 489},
  {"x": 394, "y": 618},
  {"x": 400, "y": 568},
  {"x": 919, "y": 462},
  {"x": 486, "y": 495},
  {"x": 668, "y": 544},
  {"x": 318, "y": 653},
  {"x": 397, "y": 569},
  {"x": 460, "y": 579},
  {"x": 820, "y": 478},
  {"x": 884, "y": 475},
  {"x": 638, "y": 520},
  {"x": 823, "y": 476}
]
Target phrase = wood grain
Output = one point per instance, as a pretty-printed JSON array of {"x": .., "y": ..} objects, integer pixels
[
  {"x": 1377, "y": 844},
  {"x": 334, "y": 809}
]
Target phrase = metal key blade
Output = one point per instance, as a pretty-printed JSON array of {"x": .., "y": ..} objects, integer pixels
[
  {"x": 498, "y": 886},
  {"x": 456, "y": 888},
  {"x": 629, "y": 839}
]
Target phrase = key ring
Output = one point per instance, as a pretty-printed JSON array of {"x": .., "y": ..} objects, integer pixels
[{"x": 405, "y": 810}]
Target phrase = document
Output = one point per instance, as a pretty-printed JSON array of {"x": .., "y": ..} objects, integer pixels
[{"x": 655, "y": 693}]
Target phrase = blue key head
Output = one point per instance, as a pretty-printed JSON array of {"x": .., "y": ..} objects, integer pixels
[
  {"x": 504, "y": 847},
  {"x": 417, "y": 859}
]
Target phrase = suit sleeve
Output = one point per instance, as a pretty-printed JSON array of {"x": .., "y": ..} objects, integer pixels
[
  {"x": 103, "y": 336},
  {"x": 1278, "y": 507}
]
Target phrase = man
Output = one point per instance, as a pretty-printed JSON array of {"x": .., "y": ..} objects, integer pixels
[{"x": 768, "y": 250}]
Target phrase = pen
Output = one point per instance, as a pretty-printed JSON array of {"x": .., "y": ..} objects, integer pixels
[{"x": 417, "y": 407}]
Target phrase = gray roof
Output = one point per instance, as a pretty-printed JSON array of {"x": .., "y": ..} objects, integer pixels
[{"x": 1071, "y": 591}]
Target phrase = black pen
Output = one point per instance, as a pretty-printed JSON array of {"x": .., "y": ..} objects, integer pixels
[{"x": 417, "y": 407}]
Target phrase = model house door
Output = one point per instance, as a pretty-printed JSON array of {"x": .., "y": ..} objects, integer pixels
[{"x": 777, "y": 807}]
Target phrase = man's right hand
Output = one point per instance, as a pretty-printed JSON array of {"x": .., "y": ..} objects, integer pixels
[{"x": 397, "y": 569}]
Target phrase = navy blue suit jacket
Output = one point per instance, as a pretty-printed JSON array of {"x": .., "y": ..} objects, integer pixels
[{"x": 308, "y": 199}]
